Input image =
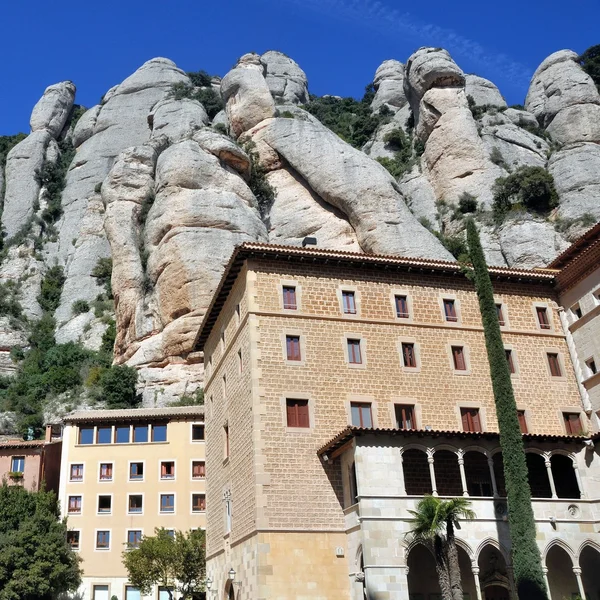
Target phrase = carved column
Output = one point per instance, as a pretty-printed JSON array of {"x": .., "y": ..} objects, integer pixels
[
  {"x": 578, "y": 478},
  {"x": 493, "y": 476},
  {"x": 577, "y": 573},
  {"x": 403, "y": 484},
  {"x": 461, "y": 467},
  {"x": 430, "y": 453},
  {"x": 545, "y": 572},
  {"x": 550, "y": 476},
  {"x": 475, "y": 571}
]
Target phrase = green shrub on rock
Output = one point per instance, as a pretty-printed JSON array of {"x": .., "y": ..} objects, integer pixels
[
  {"x": 590, "y": 63},
  {"x": 117, "y": 387},
  {"x": 80, "y": 306}
]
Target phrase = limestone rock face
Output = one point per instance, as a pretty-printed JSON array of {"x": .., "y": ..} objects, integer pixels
[
  {"x": 177, "y": 119},
  {"x": 483, "y": 91},
  {"x": 420, "y": 197},
  {"x": 84, "y": 129},
  {"x": 247, "y": 97},
  {"x": 521, "y": 117},
  {"x": 53, "y": 108},
  {"x": 285, "y": 79},
  {"x": 389, "y": 86}
]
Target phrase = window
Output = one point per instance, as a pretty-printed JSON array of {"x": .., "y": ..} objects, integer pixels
[
  {"x": 136, "y": 471},
  {"x": 134, "y": 537},
  {"x": 17, "y": 464},
  {"x": 167, "y": 469},
  {"x": 167, "y": 503},
  {"x": 590, "y": 363},
  {"x": 470, "y": 419},
  {"x": 140, "y": 434},
  {"x": 73, "y": 539},
  {"x": 289, "y": 297},
  {"x": 198, "y": 502},
  {"x": 354, "y": 353},
  {"x": 135, "y": 503},
  {"x": 74, "y": 506},
  {"x": 104, "y": 435},
  {"x": 297, "y": 413},
  {"x": 159, "y": 433},
  {"x": 106, "y": 471},
  {"x": 170, "y": 533},
  {"x": 100, "y": 592},
  {"x": 576, "y": 311},
  {"x": 409, "y": 358},
  {"x": 522, "y": 421},
  {"x": 238, "y": 313},
  {"x": 122, "y": 434},
  {"x": 361, "y": 414},
  {"x": 104, "y": 504},
  {"x": 405, "y": 416},
  {"x": 102, "y": 540},
  {"x": 86, "y": 435},
  {"x": 500, "y": 313},
  {"x": 510, "y": 360},
  {"x": 542, "y": 317},
  {"x": 227, "y": 508},
  {"x": 240, "y": 362},
  {"x": 226, "y": 441},
  {"x": 292, "y": 344},
  {"x": 224, "y": 383},
  {"x": 197, "y": 433},
  {"x": 572, "y": 423},
  {"x": 554, "y": 364},
  {"x": 348, "y": 302},
  {"x": 458, "y": 358},
  {"x": 76, "y": 472},
  {"x": 198, "y": 469},
  {"x": 401, "y": 303},
  {"x": 132, "y": 593},
  {"x": 450, "y": 310}
]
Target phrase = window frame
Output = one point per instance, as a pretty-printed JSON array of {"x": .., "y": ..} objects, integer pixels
[
  {"x": 510, "y": 359},
  {"x": 502, "y": 313},
  {"x": 291, "y": 306},
  {"x": 80, "y": 479},
  {"x": 152, "y": 427},
  {"x": 306, "y": 402},
  {"x": 362, "y": 349},
  {"x": 136, "y": 462},
  {"x": 465, "y": 358},
  {"x": 197, "y": 424},
  {"x": 162, "y": 461},
  {"x": 413, "y": 410},
  {"x": 523, "y": 420},
  {"x": 112, "y": 471},
  {"x": 18, "y": 457},
  {"x": 555, "y": 354},
  {"x": 78, "y": 532},
  {"x": 591, "y": 367},
  {"x": 361, "y": 405},
  {"x": 80, "y": 430},
  {"x": 567, "y": 427},
  {"x": 98, "y": 548},
  {"x": 129, "y": 434},
  {"x": 141, "y": 427},
  {"x": 100, "y": 428},
  {"x": 78, "y": 512},
  {"x": 197, "y": 460},
  {"x": 287, "y": 337},
  {"x": 346, "y": 293},
  {"x": 448, "y": 319},
  {"x": 416, "y": 349},
  {"x": 160, "y": 505},
  {"x": 104, "y": 512},
  {"x": 537, "y": 308},
  {"x": 129, "y": 497},
  {"x": 127, "y": 543},
  {"x": 464, "y": 412},
  {"x": 201, "y": 511}
]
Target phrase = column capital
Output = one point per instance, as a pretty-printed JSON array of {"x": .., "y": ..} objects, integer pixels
[
  {"x": 475, "y": 570},
  {"x": 577, "y": 570}
]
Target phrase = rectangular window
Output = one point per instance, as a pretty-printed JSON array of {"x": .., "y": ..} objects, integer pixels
[
  {"x": 470, "y": 419},
  {"x": 590, "y": 363},
  {"x": 73, "y": 539},
  {"x": 100, "y": 592},
  {"x": 542, "y": 316},
  {"x": 554, "y": 364},
  {"x": 458, "y": 358},
  {"x": 354, "y": 353},
  {"x": 198, "y": 502},
  {"x": 159, "y": 433},
  {"x": 86, "y": 435},
  {"x": 289, "y": 297},
  {"x": 167, "y": 503},
  {"x": 136, "y": 471},
  {"x": 510, "y": 360},
  {"x": 292, "y": 344},
  {"x": 573, "y": 423},
  {"x": 104, "y": 504},
  {"x": 405, "y": 416},
  {"x": 17, "y": 464},
  {"x": 226, "y": 441},
  {"x": 135, "y": 504},
  {"x": 450, "y": 310},
  {"x": 167, "y": 469},
  {"x": 401, "y": 307},
  {"x": 122, "y": 434},
  {"x": 227, "y": 506},
  {"x": 349, "y": 303},
  {"x": 522, "y": 421},
  {"x": 297, "y": 413},
  {"x": 106, "y": 471},
  {"x": 361, "y": 414},
  {"x": 76, "y": 473},
  {"x": 409, "y": 358},
  {"x": 576, "y": 311},
  {"x": 197, "y": 433},
  {"x": 134, "y": 537},
  {"x": 104, "y": 435},
  {"x": 140, "y": 434},
  {"x": 198, "y": 469},
  {"x": 74, "y": 506},
  {"x": 240, "y": 362},
  {"x": 102, "y": 540},
  {"x": 500, "y": 314},
  {"x": 132, "y": 593}
]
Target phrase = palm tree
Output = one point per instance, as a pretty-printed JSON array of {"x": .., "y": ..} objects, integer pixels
[{"x": 434, "y": 522}]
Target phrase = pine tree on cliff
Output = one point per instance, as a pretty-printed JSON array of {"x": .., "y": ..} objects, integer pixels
[{"x": 526, "y": 559}]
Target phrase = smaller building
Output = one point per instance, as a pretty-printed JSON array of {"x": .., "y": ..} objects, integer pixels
[
  {"x": 31, "y": 463},
  {"x": 125, "y": 473}
]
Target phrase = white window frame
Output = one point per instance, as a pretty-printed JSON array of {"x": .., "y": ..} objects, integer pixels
[
  {"x": 106, "y": 462},
  {"x": 192, "y": 440},
  {"x": 142, "y": 478},
  {"x": 141, "y": 512},
  {"x": 110, "y": 539},
  {"x": 163, "y": 460},
  {"x": 83, "y": 475},
  {"x": 103, "y": 514},
  {"x": 167, "y": 493},
  {"x": 192, "y": 461},
  {"x": 197, "y": 512}
]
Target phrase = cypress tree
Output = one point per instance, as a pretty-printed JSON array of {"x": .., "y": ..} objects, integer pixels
[{"x": 526, "y": 559}]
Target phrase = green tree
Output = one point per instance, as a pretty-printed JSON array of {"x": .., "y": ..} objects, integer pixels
[
  {"x": 590, "y": 62},
  {"x": 433, "y": 524},
  {"x": 526, "y": 558},
  {"x": 177, "y": 563},
  {"x": 118, "y": 387},
  {"x": 36, "y": 562}
]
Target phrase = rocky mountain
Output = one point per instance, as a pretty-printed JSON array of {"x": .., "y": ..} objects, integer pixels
[{"x": 135, "y": 205}]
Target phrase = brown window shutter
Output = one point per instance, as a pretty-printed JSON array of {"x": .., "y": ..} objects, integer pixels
[
  {"x": 450, "y": 310},
  {"x": 522, "y": 421},
  {"x": 465, "y": 420},
  {"x": 303, "y": 420},
  {"x": 401, "y": 307},
  {"x": 500, "y": 314},
  {"x": 476, "y": 421},
  {"x": 554, "y": 364},
  {"x": 542, "y": 314},
  {"x": 163, "y": 469},
  {"x": 509, "y": 358},
  {"x": 291, "y": 415},
  {"x": 408, "y": 351},
  {"x": 289, "y": 297},
  {"x": 459, "y": 358}
]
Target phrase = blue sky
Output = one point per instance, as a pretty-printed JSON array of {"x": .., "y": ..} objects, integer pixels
[{"x": 339, "y": 43}]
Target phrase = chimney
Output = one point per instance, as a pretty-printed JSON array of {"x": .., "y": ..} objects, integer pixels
[{"x": 309, "y": 241}]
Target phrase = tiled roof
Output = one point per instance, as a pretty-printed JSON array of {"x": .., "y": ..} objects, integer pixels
[
  {"x": 24, "y": 443},
  {"x": 135, "y": 414},
  {"x": 590, "y": 236},
  {"x": 351, "y": 432},
  {"x": 318, "y": 255}
]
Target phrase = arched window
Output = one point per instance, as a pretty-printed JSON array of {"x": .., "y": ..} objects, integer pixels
[
  {"x": 477, "y": 472},
  {"x": 538, "y": 476},
  {"x": 565, "y": 480},
  {"x": 447, "y": 473},
  {"x": 415, "y": 467}
]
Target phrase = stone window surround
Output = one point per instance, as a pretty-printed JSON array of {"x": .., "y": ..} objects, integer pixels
[
  {"x": 549, "y": 312},
  {"x": 137, "y": 479},
  {"x": 417, "y": 348},
  {"x": 526, "y": 415},
  {"x": 574, "y": 410},
  {"x": 457, "y": 308},
  {"x": 499, "y": 300},
  {"x": 357, "y": 300},
  {"x": 515, "y": 360},
  {"x": 295, "y": 284},
  {"x": 298, "y": 333},
  {"x": 311, "y": 412},
  {"x": 417, "y": 410},
  {"x": 108, "y": 548},
  {"x": 363, "y": 350},
  {"x": 466, "y": 355},
  {"x": 471, "y": 404},
  {"x": 561, "y": 361},
  {"x": 98, "y": 512},
  {"x": 363, "y": 399},
  {"x": 409, "y": 302}
]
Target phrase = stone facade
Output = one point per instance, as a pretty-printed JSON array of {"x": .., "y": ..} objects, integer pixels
[{"x": 282, "y": 496}]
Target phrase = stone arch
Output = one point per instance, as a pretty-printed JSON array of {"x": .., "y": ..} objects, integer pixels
[
  {"x": 588, "y": 558},
  {"x": 562, "y": 544},
  {"x": 477, "y": 473},
  {"x": 447, "y": 472},
  {"x": 490, "y": 541},
  {"x": 493, "y": 569},
  {"x": 559, "y": 560},
  {"x": 422, "y": 575},
  {"x": 562, "y": 466},
  {"x": 585, "y": 544},
  {"x": 415, "y": 467},
  {"x": 466, "y": 547},
  {"x": 538, "y": 474},
  {"x": 229, "y": 590}
]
